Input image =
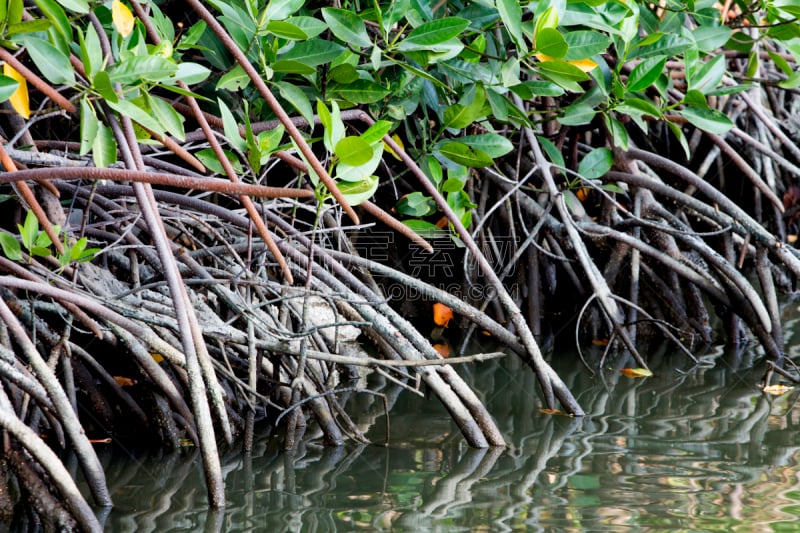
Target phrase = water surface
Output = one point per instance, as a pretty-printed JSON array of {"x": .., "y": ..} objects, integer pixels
[{"x": 693, "y": 448}]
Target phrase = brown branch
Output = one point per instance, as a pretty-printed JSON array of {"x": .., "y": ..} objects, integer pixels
[{"x": 276, "y": 107}]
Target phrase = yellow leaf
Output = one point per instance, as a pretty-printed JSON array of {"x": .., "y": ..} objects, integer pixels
[
  {"x": 157, "y": 357},
  {"x": 19, "y": 100},
  {"x": 586, "y": 65},
  {"x": 122, "y": 17},
  {"x": 546, "y": 411},
  {"x": 777, "y": 389},
  {"x": 636, "y": 372},
  {"x": 396, "y": 138}
]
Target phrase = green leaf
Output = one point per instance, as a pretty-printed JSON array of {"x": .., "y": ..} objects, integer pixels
[
  {"x": 292, "y": 67},
  {"x": 136, "y": 113},
  {"x": 233, "y": 80},
  {"x": 56, "y": 15},
  {"x": 231, "y": 127},
  {"x": 435, "y": 32},
  {"x": 357, "y": 192},
  {"x": 343, "y": 74},
  {"x": 11, "y": 248},
  {"x": 549, "y": 41},
  {"x": 552, "y": 152},
  {"x": 28, "y": 26},
  {"x": 286, "y": 30},
  {"x": 645, "y": 73},
  {"x": 191, "y": 73},
  {"x": 171, "y": 120},
  {"x": 76, "y": 6},
  {"x": 104, "y": 147},
  {"x": 462, "y": 154},
  {"x": 91, "y": 51},
  {"x": 710, "y": 38},
  {"x": 209, "y": 159},
  {"x": 452, "y": 185},
  {"x": 491, "y": 144},
  {"x": 89, "y": 124},
  {"x": 353, "y": 151},
  {"x": 8, "y": 86},
  {"x": 596, "y": 163},
  {"x": 584, "y": 44},
  {"x": 102, "y": 84},
  {"x": 28, "y": 230},
  {"x": 356, "y": 173},
  {"x": 710, "y": 120},
  {"x": 359, "y": 92},
  {"x": 709, "y": 75},
  {"x": 561, "y": 71},
  {"x": 577, "y": 114},
  {"x": 314, "y": 52},
  {"x": 309, "y": 25},
  {"x": 416, "y": 204},
  {"x": 678, "y": 132},
  {"x": 347, "y": 26},
  {"x": 618, "y": 132},
  {"x": 377, "y": 131},
  {"x": 142, "y": 68},
  {"x": 51, "y": 62},
  {"x": 297, "y": 99},
  {"x": 668, "y": 45},
  {"x": 511, "y": 14},
  {"x": 425, "y": 229},
  {"x": 281, "y": 9}
]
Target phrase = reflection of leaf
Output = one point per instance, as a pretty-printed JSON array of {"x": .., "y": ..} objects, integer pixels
[
  {"x": 636, "y": 372},
  {"x": 777, "y": 389},
  {"x": 442, "y": 314}
]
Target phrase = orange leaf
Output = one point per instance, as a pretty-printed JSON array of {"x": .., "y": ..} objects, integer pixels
[
  {"x": 19, "y": 100},
  {"x": 636, "y": 372},
  {"x": 486, "y": 333},
  {"x": 600, "y": 342},
  {"x": 157, "y": 357},
  {"x": 106, "y": 440},
  {"x": 777, "y": 390},
  {"x": 547, "y": 411},
  {"x": 122, "y": 17},
  {"x": 442, "y": 314},
  {"x": 124, "y": 382},
  {"x": 442, "y": 349}
]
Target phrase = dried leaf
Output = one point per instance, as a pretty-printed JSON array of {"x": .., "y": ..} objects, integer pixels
[
  {"x": 106, "y": 440},
  {"x": 122, "y": 17},
  {"x": 157, "y": 357},
  {"x": 636, "y": 372},
  {"x": 546, "y": 411},
  {"x": 122, "y": 381},
  {"x": 777, "y": 389},
  {"x": 19, "y": 100},
  {"x": 600, "y": 342},
  {"x": 442, "y": 314}
]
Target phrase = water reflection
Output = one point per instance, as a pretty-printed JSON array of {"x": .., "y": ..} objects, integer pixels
[{"x": 691, "y": 448}]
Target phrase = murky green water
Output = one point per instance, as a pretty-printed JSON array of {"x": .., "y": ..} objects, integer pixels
[{"x": 694, "y": 448}]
